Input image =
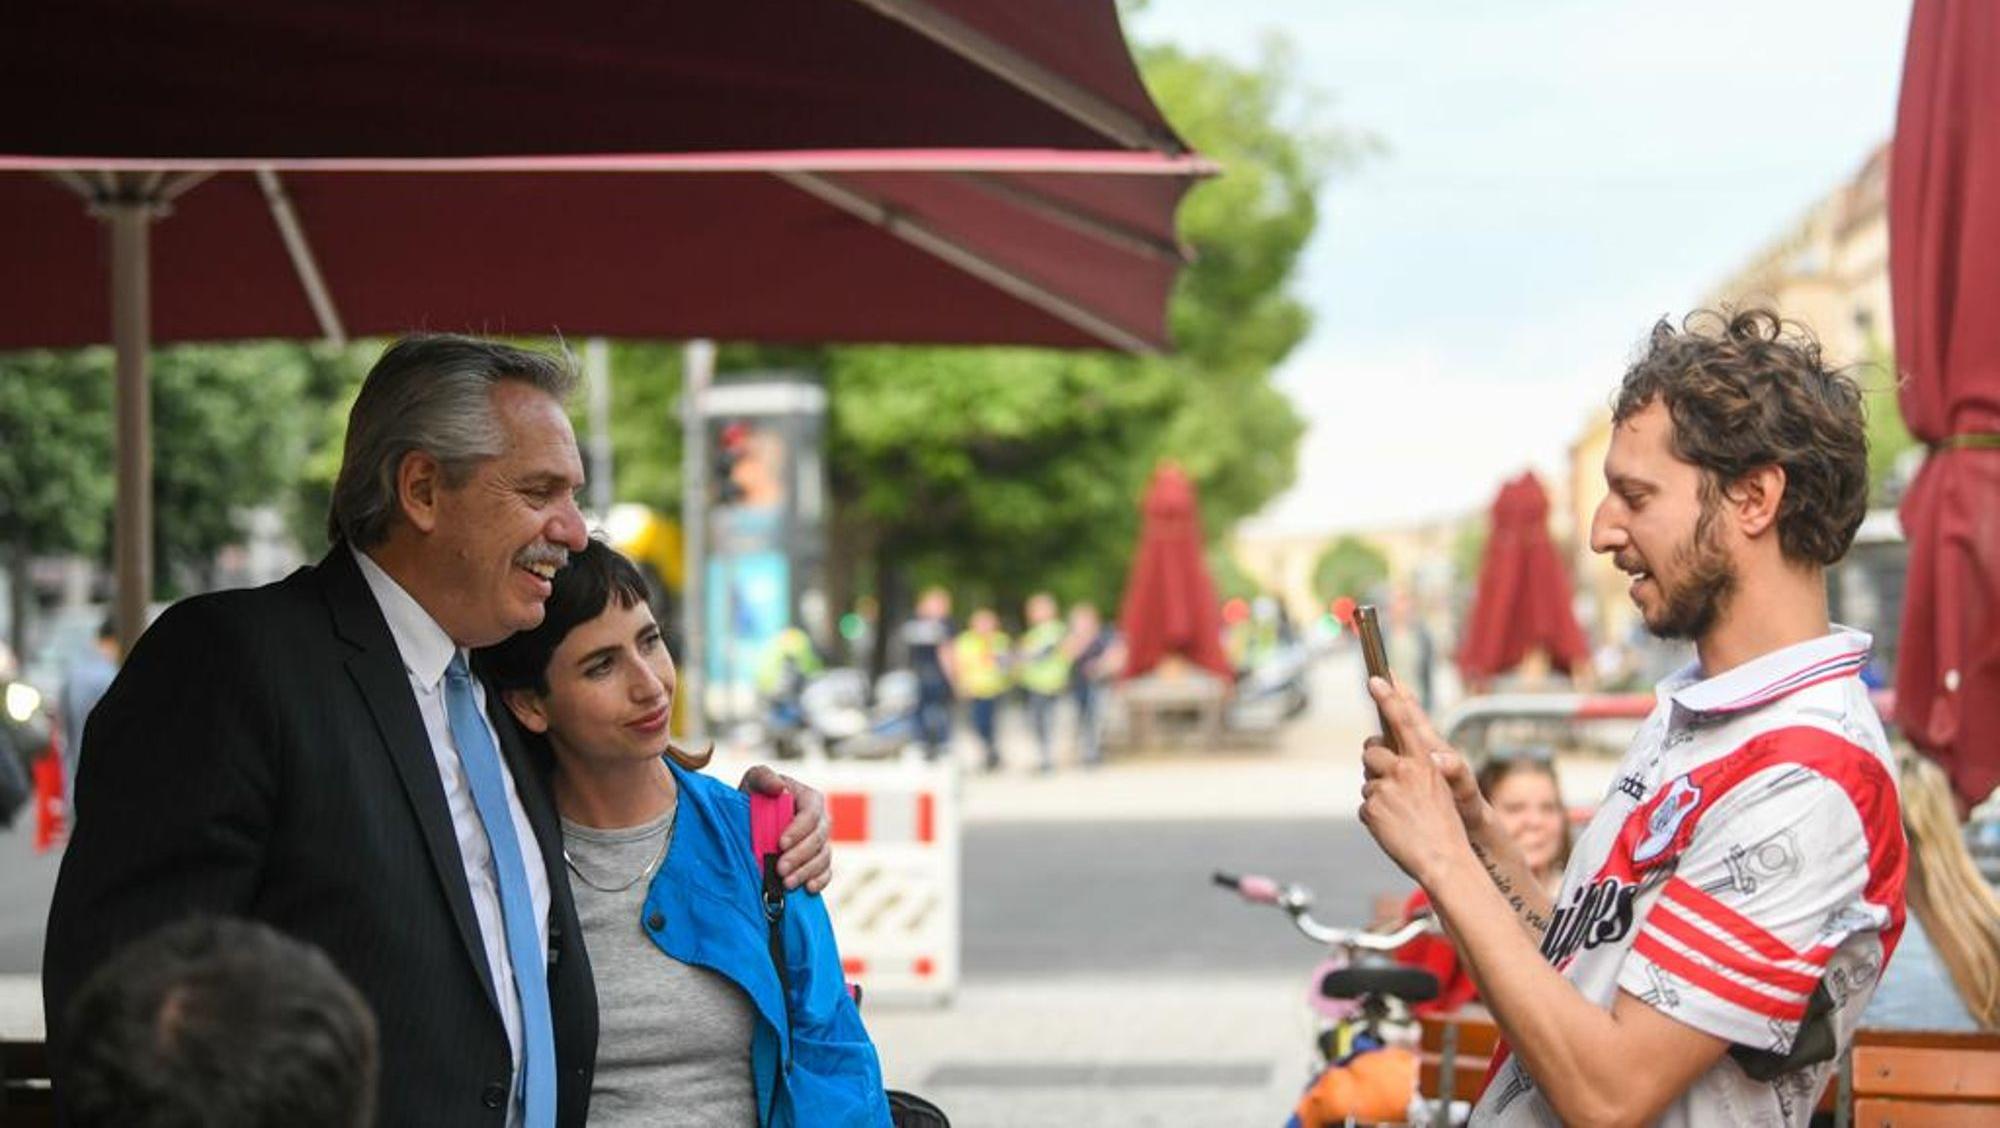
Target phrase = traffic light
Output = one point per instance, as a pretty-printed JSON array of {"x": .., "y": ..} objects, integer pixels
[{"x": 731, "y": 447}]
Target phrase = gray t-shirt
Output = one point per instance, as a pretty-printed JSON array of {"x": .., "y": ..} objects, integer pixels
[{"x": 673, "y": 1040}]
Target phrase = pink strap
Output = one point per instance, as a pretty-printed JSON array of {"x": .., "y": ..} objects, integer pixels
[{"x": 769, "y": 816}]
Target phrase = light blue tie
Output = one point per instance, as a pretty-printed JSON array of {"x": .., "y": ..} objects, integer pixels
[{"x": 517, "y": 906}]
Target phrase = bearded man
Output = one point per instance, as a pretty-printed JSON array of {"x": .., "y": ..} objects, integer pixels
[{"x": 1727, "y": 913}]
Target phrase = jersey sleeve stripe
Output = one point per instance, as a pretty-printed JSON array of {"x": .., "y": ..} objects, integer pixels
[
  {"x": 1684, "y": 896},
  {"x": 1667, "y": 922},
  {"x": 1715, "y": 983}
]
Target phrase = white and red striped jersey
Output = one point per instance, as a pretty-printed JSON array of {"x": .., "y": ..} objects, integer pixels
[{"x": 1744, "y": 876}]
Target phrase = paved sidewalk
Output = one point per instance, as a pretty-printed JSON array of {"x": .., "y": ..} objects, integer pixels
[
  {"x": 1087, "y": 1053},
  {"x": 21, "y": 1008}
]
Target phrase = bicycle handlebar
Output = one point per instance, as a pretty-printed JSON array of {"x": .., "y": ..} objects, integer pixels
[{"x": 1296, "y": 901}]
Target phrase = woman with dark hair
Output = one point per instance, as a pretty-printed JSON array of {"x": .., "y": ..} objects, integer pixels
[{"x": 695, "y": 1024}]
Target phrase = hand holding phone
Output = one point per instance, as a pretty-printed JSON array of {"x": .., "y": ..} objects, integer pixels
[{"x": 1368, "y": 628}]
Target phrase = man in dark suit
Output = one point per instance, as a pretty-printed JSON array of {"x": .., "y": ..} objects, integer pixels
[{"x": 311, "y": 754}]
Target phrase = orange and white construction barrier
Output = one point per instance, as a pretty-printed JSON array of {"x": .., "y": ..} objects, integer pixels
[{"x": 895, "y": 894}]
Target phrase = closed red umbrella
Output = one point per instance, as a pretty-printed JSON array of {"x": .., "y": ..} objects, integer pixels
[
  {"x": 1499, "y": 576},
  {"x": 1944, "y": 272},
  {"x": 1170, "y": 605},
  {"x": 1522, "y": 603}
]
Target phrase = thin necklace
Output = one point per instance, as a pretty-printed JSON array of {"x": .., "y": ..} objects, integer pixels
[{"x": 666, "y": 839}]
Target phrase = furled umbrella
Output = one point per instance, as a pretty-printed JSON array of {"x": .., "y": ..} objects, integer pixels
[
  {"x": 921, "y": 170},
  {"x": 1944, "y": 272},
  {"x": 1170, "y": 605},
  {"x": 1522, "y": 604}
]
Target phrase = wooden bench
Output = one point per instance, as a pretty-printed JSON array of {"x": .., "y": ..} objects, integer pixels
[
  {"x": 25, "y": 1099},
  {"x": 1453, "y": 1054},
  {"x": 1919, "y": 1078},
  {"x": 1906, "y": 1078}
]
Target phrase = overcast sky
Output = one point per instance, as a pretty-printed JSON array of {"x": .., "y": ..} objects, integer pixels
[{"x": 1558, "y": 174}]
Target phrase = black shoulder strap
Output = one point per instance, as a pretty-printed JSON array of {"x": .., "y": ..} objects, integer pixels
[{"x": 774, "y": 916}]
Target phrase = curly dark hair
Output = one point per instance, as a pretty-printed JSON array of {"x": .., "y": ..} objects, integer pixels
[{"x": 1745, "y": 390}]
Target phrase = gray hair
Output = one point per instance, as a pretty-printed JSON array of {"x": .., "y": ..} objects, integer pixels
[{"x": 430, "y": 393}]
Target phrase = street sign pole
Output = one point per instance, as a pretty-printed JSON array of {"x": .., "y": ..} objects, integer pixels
[
  {"x": 597, "y": 376},
  {"x": 697, "y": 372}
]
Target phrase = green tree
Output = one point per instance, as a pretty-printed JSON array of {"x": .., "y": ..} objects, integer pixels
[
  {"x": 330, "y": 378},
  {"x": 1231, "y": 581},
  {"x": 1468, "y": 549},
  {"x": 1888, "y": 437},
  {"x": 228, "y": 436},
  {"x": 55, "y": 447},
  {"x": 1002, "y": 470},
  {"x": 1350, "y": 566}
]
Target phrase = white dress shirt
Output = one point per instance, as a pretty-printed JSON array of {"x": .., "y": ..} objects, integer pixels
[{"x": 426, "y": 650}]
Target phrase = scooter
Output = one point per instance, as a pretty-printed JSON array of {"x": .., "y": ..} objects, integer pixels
[{"x": 830, "y": 716}]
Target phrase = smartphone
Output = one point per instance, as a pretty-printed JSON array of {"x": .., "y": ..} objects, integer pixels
[{"x": 1368, "y": 628}]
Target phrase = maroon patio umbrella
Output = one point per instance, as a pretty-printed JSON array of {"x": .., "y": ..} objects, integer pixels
[
  {"x": 1944, "y": 244},
  {"x": 1522, "y": 603},
  {"x": 1047, "y": 247},
  {"x": 924, "y": 170},
  {"x": 1170, "y": 605}
]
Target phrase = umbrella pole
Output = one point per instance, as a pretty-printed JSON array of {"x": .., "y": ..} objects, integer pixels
[
  {"x": 697, "y": 369},
  {"x": 131, "y": 333},
  {"x": 597, "y": 377}
]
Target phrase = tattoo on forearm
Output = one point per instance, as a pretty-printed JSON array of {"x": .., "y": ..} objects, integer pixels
[{"x": 1534, "y": 920}]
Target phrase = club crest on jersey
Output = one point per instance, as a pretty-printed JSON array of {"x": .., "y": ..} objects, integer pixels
[{"x": 1675, "y": 806}]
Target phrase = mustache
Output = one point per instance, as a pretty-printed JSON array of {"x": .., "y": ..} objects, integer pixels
[
  {"x": 1626, "y": 563},
  {"x": 543, "y": 552}
]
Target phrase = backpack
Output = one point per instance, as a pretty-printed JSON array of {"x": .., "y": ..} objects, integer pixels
[{"x": 769, "y": 816}]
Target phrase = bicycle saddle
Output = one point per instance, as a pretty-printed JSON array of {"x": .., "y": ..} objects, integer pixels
[{"x": 1410, "y": 984}]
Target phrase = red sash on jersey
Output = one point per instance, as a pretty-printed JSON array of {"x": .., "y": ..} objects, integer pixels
[{"x": 1852, "y": 768}]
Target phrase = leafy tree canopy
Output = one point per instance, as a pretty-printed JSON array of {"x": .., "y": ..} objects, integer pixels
[{"x": 1350, "y": 566}]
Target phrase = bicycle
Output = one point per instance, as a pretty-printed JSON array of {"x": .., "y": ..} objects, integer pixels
[{"x": 1361, "y": 997}]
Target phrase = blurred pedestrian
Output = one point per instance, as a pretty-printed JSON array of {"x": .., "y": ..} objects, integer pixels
[
  {"x": 787, "y": 665},
  {"x": 1095, "y": 657},
  {"x": 983, "y": 660},
  {"x": 927, "y": 647},
  {"x": 1412, "y": 649},
  {"x": 1043, "y": 663},
  {"x": 84, "y": 683},
  {"x": 221, "y": 1023}
]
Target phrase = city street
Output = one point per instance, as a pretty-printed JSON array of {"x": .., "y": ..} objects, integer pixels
[{"x": 1106, "y": 981}]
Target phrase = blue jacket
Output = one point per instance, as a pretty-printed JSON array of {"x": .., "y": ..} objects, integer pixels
[{"x": 705, "y": 907}]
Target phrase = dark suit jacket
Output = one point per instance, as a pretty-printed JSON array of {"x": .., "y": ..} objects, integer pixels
[{"x": 261, "y": 755}]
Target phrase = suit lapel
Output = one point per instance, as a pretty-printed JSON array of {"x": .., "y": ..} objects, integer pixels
[{"x": 377, "y": 671}]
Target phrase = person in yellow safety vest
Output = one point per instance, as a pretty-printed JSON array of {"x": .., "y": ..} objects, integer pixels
[
  {"x": 984, "y": 668},
  {"x": 789, "y": 661},
  {"x": 1044, "y": 664}
]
